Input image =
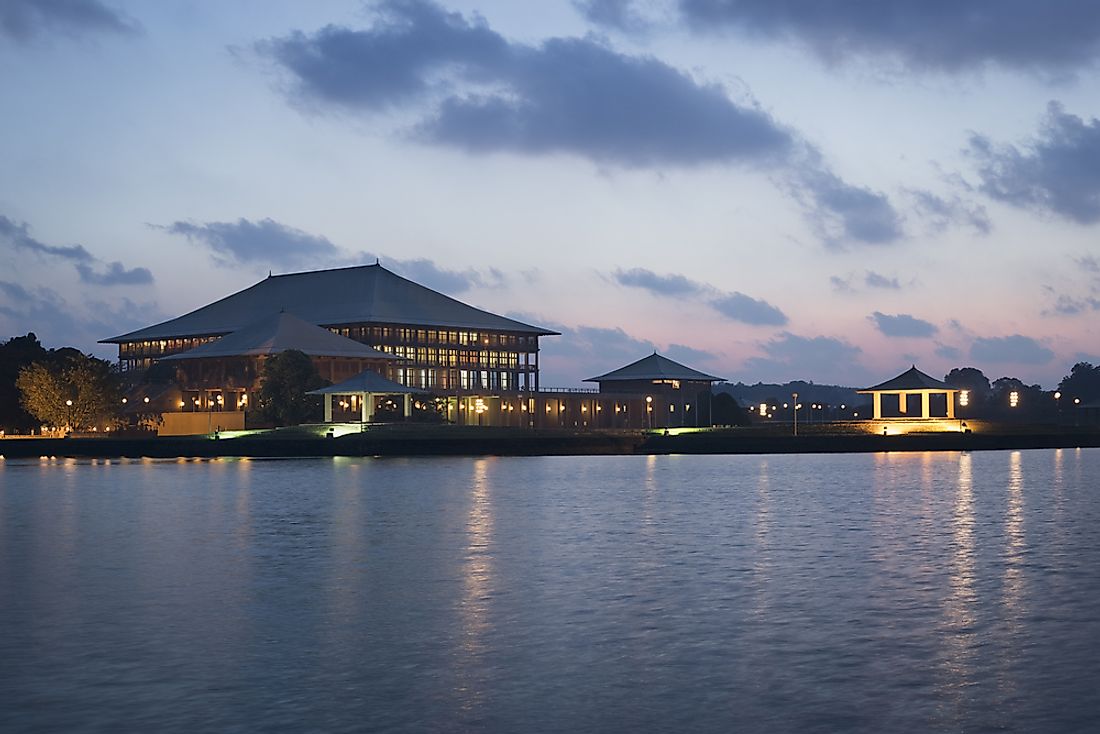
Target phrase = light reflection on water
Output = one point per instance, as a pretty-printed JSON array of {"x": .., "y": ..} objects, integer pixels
[{"x": 888, "y": 592}]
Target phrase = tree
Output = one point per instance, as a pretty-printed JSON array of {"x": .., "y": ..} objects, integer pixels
[
  {"x": 15, "y": 354},
  {"x": 1082, "y": 383},
  {"x": 285, "y": 380},
  {"x": 725, "y": 411},
  {"x": 77, "y": 391}
]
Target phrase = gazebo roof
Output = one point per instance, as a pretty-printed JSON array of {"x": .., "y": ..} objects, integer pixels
[
  {"x": 277, "y": 333},
  {"x": 367, "y": 381},
  {"x": 911, "y": 379},
  {"x": 655, "y": 367}
]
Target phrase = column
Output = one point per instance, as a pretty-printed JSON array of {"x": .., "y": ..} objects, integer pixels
[
  {"x": 366, "y": 405},
  {"x": 876, "y": 398},
  {"x": 328, "y": 407},
  {"x": 950, "y": 405},
  {"x": 925, "y": 405},
  {"x": 408, "y": 406},
  {"x": 903, "y": 404}
]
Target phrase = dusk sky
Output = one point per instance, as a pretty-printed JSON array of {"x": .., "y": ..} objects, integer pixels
[{"x": 763, "y": 189}]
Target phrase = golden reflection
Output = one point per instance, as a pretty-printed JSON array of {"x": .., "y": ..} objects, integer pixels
[
  {"x": 1015, "y": 543},
  {"x": 761, "y": 534},
  {"x": 477, "y": 581},
  {"x": 960, "y": 604}
]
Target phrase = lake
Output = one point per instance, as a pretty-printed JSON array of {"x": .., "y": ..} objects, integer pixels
[{"x": 801, "y": 593}]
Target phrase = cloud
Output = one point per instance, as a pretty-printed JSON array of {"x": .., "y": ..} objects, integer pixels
[
  {"x": 1014, "y": 349},
  {"x": 940, "y": 213},
  {"x": 877, "y": 280},
  {"x": 17, "y": 236},
  {"x": 841, "y": 285},
  {"x": 749, "y": 310},
  {"x": 21, "y": 20},
  {"x": 1050, "y": 37},
  {"x": 1088, "y": 263},
  {"x": 690, "y": 356},
  {"x": 792, "y": 357},
  {"x": 468, "y": 87},
  {"x": 661, "y": 285},
  {"x": 622, "y": 15},
  {"x": 902, "y": 325},
  {"x": 116, "y": 274},
  {"x": 59, "y": 322},
  {"x": 733, "y": 305},
  {"x": 840, "y": 212},
  {"x": 1069, "y": 306},
  {"x": 1058, "y": 172},
  {"x": 433, "y": 276},
  {"x": 583, "y": 351},
  {"x": 947, "y": 351},
  {"x": 264, "y": 242}
]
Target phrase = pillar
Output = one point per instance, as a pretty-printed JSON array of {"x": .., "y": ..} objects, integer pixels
[
  {"x": 328, "y": 407},
  {"x": 408, "y": 406},
  {"x": 903, "y": 403},
  {"x": 925, "y": 405},
  {"x": 950, "y": 405},
  {"x": 876, "y": 398},
  {"x": 366, "y": 407}
]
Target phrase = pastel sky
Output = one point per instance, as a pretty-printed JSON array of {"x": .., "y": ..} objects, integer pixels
[{"x": 765, "y": 189}]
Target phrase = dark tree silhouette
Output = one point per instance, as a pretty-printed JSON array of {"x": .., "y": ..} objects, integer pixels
[
  {"x": 1082, "y": 383},
  {"x": 725, "y": 411},
  {"x": 286, "y": 379}
]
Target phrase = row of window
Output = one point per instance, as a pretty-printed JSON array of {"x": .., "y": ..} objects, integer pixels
[
  {"x": 433, "y": 379},
  {"x": 409, "y": 335},
  {"x": 155, "y": 347},
  {"x": 457, "y": 357}
]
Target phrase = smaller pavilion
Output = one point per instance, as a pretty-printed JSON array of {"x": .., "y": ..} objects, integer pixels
[
  {"x": 913, "y": 383},
  {"x": 364, "y": 390},
  {"x": 675, "y": 395}
]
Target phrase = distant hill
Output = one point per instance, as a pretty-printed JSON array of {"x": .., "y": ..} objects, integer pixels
[{"x": 808, "y": 392}]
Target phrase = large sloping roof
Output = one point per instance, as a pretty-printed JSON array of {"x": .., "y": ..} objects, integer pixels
[
  {"x": 911, "y": 379},
  {"x": 367, "y": 381},
  {"x": 655, "y": 367},
  {"x": 362, "y": 294},
  {"x": 277, "y": 333}
]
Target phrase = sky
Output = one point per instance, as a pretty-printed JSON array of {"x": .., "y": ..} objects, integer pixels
[{"x": 766, "y": 190}]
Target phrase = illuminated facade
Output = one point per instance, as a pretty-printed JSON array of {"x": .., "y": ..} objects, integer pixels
[
  {"x": 442, "y": 344},
  {"x": 892, "y": 399}
]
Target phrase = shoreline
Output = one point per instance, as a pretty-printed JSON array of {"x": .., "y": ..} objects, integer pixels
[{"x": 459, "y": 441}]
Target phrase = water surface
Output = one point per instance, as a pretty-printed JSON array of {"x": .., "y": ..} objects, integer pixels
[{"x": 866, "y": 593}]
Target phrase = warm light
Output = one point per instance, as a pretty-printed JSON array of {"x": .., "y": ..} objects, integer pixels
[
  {"x": 798, "y": 407},
  {"x": 1013, "y": 399},
  {"x": 584, "y": 408},
  {"x": 548, "y": 408},
  {"x": 181, "y": 404},
  {"x": 69, "y": 403},
  {"x": 1057, "y": 396},
  {"x": 124, "y": 401},
  {"x": 1077, "y": 401},
  {"x": 599, "y": 408},
  {"x": 964, "y": 398},
  {"x": 146, "y": 399},
  {"x": 649, "y": 398},
  {"x": 220, "y": 400},
  {"x": 763, "y": 408},
  {"x": 671, "y": 408},
  {"x": 843, "y": 406},
  {"x": 785, "y": 406}
]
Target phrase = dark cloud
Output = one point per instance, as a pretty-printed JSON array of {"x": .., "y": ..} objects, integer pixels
[
  {"x": 271, "y": 244},
  {"x": 472, "y": 89},
  {"x": 1069, "y": 306},
  {"x": 17, "y": 236},
  {"x": 622, "y": 15},
  {"x": 23, "y": 19},
  {"x": 441, "y": 279},
  {"x": 748, "y": 310},
  {"x": 734, "y": 305},
  {"x": 877, "y": 280},
  {"x": 1014, "y": 349},
  {"x": 264, "y": 242},
  {"x": 1058, "y": 172},
  {"x": 1088, "y": 263},
  {"x": 689, "y": 355},
  {"x": 115, "y": 274},
  {"x": 948, "y": 352},
  {"x": 661, "y": 285},
  {"x": 821, "y": 358},
  {"x": 939, "y": 213},
  {"x": 841, "y": 285},
  {"x": 842, "y": 213},
  {"x": 59, "y": 322},
  {"x": 902, "y": 325},
  {"x": 946, "y": 35}
]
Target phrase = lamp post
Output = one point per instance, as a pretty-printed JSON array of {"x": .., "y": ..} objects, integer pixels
[
  {"x": 68, "y": 416},
  {"x": 649, "y": 410},
  {"x": 794, "y": 404}
]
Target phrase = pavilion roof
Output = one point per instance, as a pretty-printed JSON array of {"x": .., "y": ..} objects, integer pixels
[
  {"x": 361, "y": 294},
  {"x": 911, "y": 379},
  {"x": 655, "y": 367},
  {"x": 277, "y": 333},
  {"x": 367, "y": 381}
]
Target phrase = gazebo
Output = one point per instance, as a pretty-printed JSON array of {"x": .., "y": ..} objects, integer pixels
[
  {"x": 912, "y": 383},
  {"x": 365, "y": 387}
]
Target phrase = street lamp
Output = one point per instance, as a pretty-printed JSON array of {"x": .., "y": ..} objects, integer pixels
[
  {"x": 649, "y": 410},
  {"x": 794, "y": 398},
  {"x": 68, "y": 415}
]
